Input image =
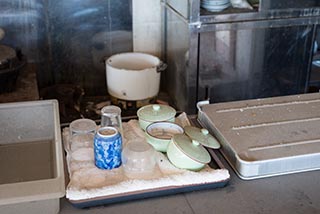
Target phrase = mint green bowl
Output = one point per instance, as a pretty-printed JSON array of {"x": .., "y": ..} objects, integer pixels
[
  {"x": 155, "y": 113},
  {"x": 159, "y": 134},
  {"x": 188, "y": 154}
]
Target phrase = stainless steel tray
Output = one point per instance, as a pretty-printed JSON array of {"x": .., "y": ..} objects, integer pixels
[{"x": 267, "y": 137}]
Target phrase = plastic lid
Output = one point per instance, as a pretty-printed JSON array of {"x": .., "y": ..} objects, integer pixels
[
  {"x": 156, "y": 112},
  {"x": 191, "y": 148},
  {"x": 82, "y": 126},
  {"x": 202, "y": 136}
]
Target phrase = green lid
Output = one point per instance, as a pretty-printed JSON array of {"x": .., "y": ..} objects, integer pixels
[
  {"x": 191, "y": 148},
  {"x": 202, "y": 136},
  {"x": 156, "y": 112}
]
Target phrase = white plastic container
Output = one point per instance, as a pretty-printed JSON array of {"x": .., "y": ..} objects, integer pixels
[
  {"x": 133, "y": 76},
  {"x": 31, "y": 163}
]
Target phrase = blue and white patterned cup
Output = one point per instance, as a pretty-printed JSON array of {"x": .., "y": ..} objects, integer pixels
[{"x": 107, "y": 148}]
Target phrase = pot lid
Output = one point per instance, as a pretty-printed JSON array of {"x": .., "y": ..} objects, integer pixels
[
  {"x": 202, "y": 136},
  {"x": 191, "y": 148},
  {"x": 156, "y": 112}
]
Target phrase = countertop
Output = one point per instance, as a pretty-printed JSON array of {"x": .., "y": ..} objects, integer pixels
[{"x": 294, "y": 193}]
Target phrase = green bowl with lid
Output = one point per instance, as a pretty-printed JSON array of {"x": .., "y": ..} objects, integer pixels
[
  {"x": 188, "y": 154},
  {"x": 187, "y": 151},
  {"x": 155, "y": 113}
]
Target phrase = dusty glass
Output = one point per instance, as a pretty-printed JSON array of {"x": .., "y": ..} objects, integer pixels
[{"x": 111, "y": 116}]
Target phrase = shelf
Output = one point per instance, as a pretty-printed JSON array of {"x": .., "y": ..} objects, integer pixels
[
  {"x": 240, "y": 15},
  {"x": 197, "y": 14}
]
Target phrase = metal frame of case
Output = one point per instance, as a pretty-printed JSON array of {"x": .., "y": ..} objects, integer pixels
[{"x": 185, "y": 21}]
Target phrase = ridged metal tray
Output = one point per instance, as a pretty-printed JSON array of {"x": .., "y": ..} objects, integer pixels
[{"x": 267, "y": 137}]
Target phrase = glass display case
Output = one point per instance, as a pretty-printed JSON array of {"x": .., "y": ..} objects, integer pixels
[
  {"x": 67, "y": 41},
  {"x": 238, "y": 54}
]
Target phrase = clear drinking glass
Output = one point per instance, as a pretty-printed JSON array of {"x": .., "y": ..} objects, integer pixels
[
  {"x": 81, "y": 133},
  {"x": 82, "y": 126},
  {"x": 78, "y": 141},
  {"x": 111, "y": 116}
]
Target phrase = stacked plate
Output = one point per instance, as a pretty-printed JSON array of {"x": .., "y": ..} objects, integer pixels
[{"x": 215, "y": 5}]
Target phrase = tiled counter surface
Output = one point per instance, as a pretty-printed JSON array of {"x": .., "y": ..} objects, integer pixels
[{"x": 287, "y": 194}]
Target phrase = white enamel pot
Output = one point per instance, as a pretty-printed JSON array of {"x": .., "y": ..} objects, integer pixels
[{"x": 133, "y": 76}]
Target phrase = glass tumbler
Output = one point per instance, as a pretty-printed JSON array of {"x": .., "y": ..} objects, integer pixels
[
  {"x": 111, "y": 116},
  {"x": 81, "y": 133},
  {"x": 82, "y": 126},
  {"x": 78, "y": 141}
]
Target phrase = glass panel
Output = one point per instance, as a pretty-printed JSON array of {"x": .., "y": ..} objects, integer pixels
[
  {"x": 177, "y": 46},
  {"x": 314, "y": 82},
  {"x": 83, "y": 33},
  {"x": 182, "y": 6},
  {"x": 255, "y": 63},
  {"x": 285, "y": 4},
  {"x": 25, "y": 26},
  {"x": 68, "y": 39}
]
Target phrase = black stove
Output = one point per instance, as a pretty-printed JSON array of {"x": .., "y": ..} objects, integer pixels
[{"x": 11, "y": 62}]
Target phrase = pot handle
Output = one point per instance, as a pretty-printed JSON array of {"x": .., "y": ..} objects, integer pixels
[
  {"x": 161, "y": 67},
  {"x": 103, "y": 59}
]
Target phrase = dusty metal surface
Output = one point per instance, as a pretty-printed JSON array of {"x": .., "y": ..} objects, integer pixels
[{"x": 270, "y": 136}]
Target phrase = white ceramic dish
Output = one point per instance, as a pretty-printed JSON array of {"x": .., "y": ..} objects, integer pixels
[
  {"x": 215, "y": 5},
  {"x": 222, "y": 2},
  {"x": 216, "y": 8}
]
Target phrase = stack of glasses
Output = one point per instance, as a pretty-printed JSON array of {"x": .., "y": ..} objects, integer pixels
[{"x": 215, "y": 5}]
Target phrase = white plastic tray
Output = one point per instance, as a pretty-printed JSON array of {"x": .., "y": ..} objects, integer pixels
[{"x": 32, "y": 176}]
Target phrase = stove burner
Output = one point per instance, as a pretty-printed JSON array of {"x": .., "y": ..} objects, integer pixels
[
  {"x": 7, "y": 54},
  {"x": 11, "y": 62}
]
